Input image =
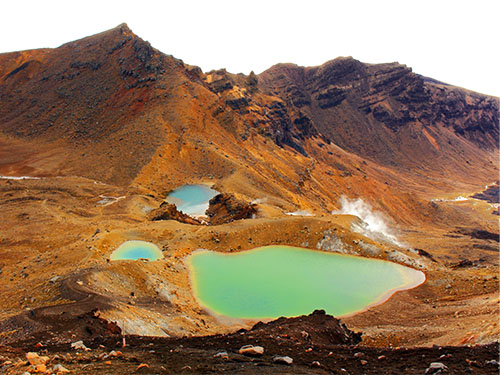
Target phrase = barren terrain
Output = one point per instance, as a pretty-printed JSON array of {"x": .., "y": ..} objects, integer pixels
[{"x": 103, "y": 128}]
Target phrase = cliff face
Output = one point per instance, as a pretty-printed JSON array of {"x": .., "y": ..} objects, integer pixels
[{"x": 384, "y": 112}]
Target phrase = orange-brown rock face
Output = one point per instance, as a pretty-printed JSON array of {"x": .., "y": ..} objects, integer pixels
[
  {"x": 92, "y": 94},
  {"x": 168, "y": 211},
  {"x": 225, "y": 208}
]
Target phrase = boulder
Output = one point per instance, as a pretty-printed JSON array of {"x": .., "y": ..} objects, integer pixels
[
  {"x": 79, "y": 345},
  {"x": 143, "y": 367},
  {"x": 283, "y": 360},
  {"x": 224, "y": 208},
  {"x": 251, "y": 350},
  {"x": 35, "y": 359},
  {"x": 436, "y": 368},
  {"x": 222, "y": 355}
]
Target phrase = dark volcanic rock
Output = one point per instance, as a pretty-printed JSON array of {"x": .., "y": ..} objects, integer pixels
[
  {"x": 490, "y": 195},
  {"x": 317, "y": 328},
  {"x": 383, "y": 111},
  {"x": 331, "y": 97},
  {"x": 72, "y": 322},
  {"x": 219, "y": 81},
  {"x": 168, "y": 211},
  {"x": 237, "y": 102},
  {"x": 426, "y": 254},
  {"x": 304, "y": 125},
  {"x": 479, "y": 234},
  {"x": 280, "y": 127},
  {"x": 252, "y": 82},
  {"x": 464, "y": 263},
  {"x": 225, "y": 208}
]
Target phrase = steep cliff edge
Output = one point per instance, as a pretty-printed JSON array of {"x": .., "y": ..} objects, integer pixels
[{"x": 386, "y": 112}]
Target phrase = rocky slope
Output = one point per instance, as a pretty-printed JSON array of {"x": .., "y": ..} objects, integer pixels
[
  {"x": 313, "y": 344},
  {"x": 88, "y": 95},
  {"x": 385, "y": 112},
  {"x": 113, "y": 102}
]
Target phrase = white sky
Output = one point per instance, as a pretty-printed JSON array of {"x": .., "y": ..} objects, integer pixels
[{"x": 453, "y": 41}]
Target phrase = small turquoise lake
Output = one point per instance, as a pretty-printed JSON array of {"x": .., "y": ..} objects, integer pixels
[
  {"x": 192, "y": 199},
  {"x": 274, "y": 281},
  {"x": 133, "y": 250}
]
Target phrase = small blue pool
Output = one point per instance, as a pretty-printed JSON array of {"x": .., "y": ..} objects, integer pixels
[
  {"x": 133, "y": 250},
  {"x": 192, "y": 199}
]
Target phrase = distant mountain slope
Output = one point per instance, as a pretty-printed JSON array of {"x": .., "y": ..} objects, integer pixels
[
  {"x": 386, "y": 112},
  {"x": 112, "y": 108}
]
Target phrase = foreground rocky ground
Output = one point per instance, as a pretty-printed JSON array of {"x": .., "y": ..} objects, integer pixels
[{"x": 314, "y": 344}]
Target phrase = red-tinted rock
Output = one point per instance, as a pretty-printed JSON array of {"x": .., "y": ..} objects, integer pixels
[
  {"x": 168, "y": 211},
  {"x": 225, "y": 208}
]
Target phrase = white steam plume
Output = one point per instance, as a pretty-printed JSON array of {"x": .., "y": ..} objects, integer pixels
[{"x": 373, "y": 224}]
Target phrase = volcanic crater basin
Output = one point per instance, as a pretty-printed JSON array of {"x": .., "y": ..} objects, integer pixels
[
  {"x": 134, "y": 250},
  {"x": 273, "y": 281},
  {"x": 192, "y": 199}
]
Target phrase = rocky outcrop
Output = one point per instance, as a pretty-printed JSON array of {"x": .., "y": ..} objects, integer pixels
[
  {"x": 225, "y": 208},
  {"x": 236, "y": 99},
  {"x": 251, "y": 82},
  {"x": 318, "y": 328},
  {"x": 168, "y": 211},
  {"x": 490, "y": 195},
  {"x": 219, "y": 81},
  {"x": 330, "y": 97}
]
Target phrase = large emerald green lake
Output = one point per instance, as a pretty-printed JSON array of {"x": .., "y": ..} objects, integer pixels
[{"x": 274, "y": 281}]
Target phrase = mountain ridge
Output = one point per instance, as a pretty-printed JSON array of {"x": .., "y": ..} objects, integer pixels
[{"x": 113, "y": 101}]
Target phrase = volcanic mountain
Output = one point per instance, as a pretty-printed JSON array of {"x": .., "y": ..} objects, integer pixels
[
  {"x": 136, "y": 115},
  {"x": 107, "y": 125}
]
